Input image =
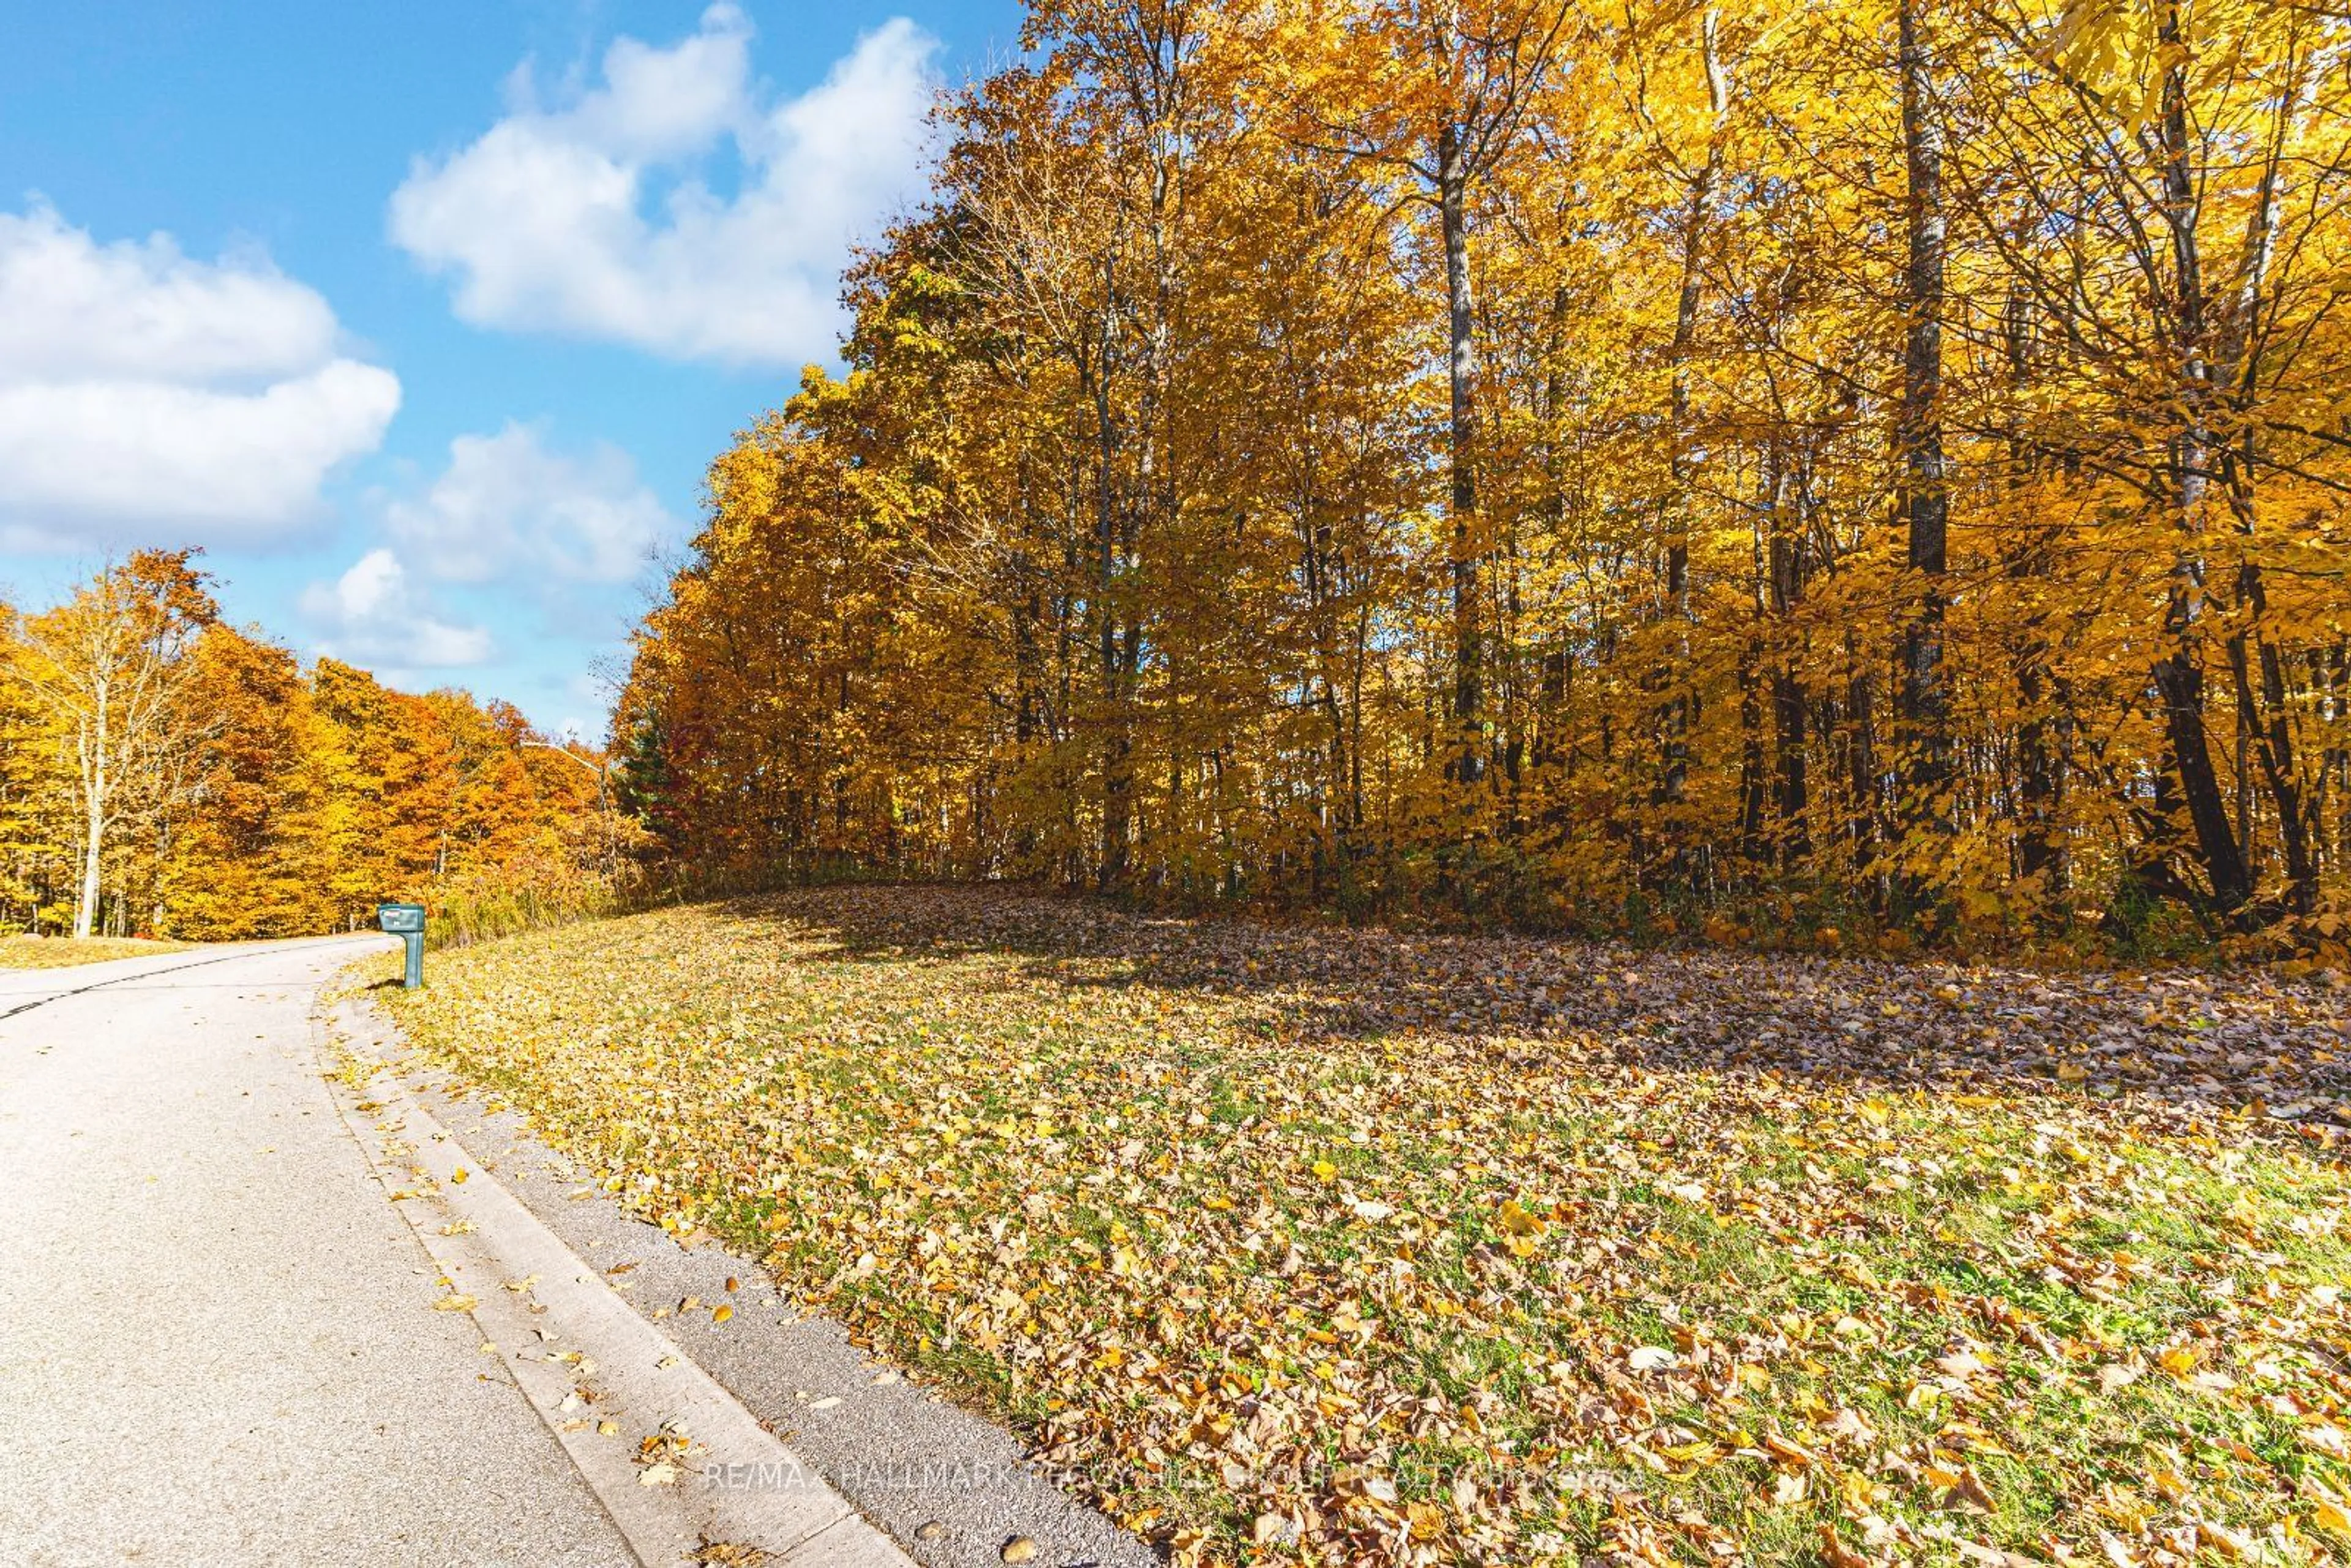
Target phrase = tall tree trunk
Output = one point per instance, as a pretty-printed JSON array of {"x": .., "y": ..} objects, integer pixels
[
  {"x": 96, "y": 741},
  {"x": 1926, "y": 750},
  {"x": 1861, "y": 760},
  {"x": 93, "y": 857},
  {"x": 2269, "y": 722},
  {"x": 1117, "y": 825},
  {"x": 1791, "y": 788},
  {"x": 1702, "y": 186},
  {"x": 2043, "y": 852},
  {"x": 1467, "y": 548},
  {"x": 2263, "y": 702},
  {"x": 2179, "y": 674},
  {"x": 1751, "y": 786}
]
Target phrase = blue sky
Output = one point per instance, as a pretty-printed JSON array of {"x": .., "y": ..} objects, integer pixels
[{"x": 424, "y": 320}]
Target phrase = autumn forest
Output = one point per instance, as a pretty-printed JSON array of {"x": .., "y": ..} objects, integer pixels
[
  {"x": 1840, "y": 474},
  {"x": 1657, "y": 467},
  {"x": 165, "y": 774}
]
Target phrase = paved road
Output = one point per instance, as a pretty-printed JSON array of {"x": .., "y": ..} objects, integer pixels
[{"x": 216, "y": 1338}]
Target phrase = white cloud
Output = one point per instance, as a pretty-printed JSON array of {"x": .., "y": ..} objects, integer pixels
[
  {"x": 543, "y": 224},
  {"x": 507, "y": 506},
  {"x": 144, "y": 394},
  {"x": 372, "y": 616}
]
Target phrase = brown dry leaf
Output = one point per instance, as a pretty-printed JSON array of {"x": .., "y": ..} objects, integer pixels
[
  {"x": 1960, "y": 1364},
  {"x": 1835, "y": 1553},
  {"x": 710, "y": 1553},
  {"x": 2234, "y": 1544},
  {"x": 1969, "y": 1490}
]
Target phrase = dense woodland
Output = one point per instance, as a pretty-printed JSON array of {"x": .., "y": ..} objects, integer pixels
[
  {"x": 1632, "y": 464},
  {"x": 163, "y": 773}
]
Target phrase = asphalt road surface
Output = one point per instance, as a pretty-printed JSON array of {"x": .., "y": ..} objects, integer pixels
[
  {"x": 217, "y": 1340},
  {"x": 250, "y": 1315}
]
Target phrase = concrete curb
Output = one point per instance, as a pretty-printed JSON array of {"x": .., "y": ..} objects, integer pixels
[
  {"x": 648, "y": 1428},
  {"x": 952, "y": 1489}
]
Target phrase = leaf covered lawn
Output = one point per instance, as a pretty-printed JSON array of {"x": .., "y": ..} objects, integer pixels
[{"x": 1303, "y": 1245}]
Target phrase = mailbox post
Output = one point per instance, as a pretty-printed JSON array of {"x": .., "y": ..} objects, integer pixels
[{"x": 406, "y": 921}]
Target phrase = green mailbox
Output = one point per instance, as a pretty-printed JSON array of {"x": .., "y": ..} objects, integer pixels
[{"x": 406, "y": 921}]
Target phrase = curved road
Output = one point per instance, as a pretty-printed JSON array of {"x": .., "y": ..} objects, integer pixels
[{"x": 216, "y": 1341}]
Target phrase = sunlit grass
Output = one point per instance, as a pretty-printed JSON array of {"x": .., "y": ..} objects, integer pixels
[{"x": 1285, "y": 1290}]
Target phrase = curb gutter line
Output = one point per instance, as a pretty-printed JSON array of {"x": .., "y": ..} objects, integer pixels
[{"x": 585, "y": 1358}]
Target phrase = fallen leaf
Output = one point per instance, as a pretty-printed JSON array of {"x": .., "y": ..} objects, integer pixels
[{"x": 1835, "y": 1553}]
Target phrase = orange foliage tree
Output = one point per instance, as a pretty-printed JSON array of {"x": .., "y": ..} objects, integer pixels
[
  {"x": 1703, "y": 462},
  {"x": 164, "y": 773}
]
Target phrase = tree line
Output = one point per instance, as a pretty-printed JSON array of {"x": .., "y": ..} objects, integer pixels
[
  {"x": 1645, "y": 465},
  {"x": 164, "y": 773}
]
